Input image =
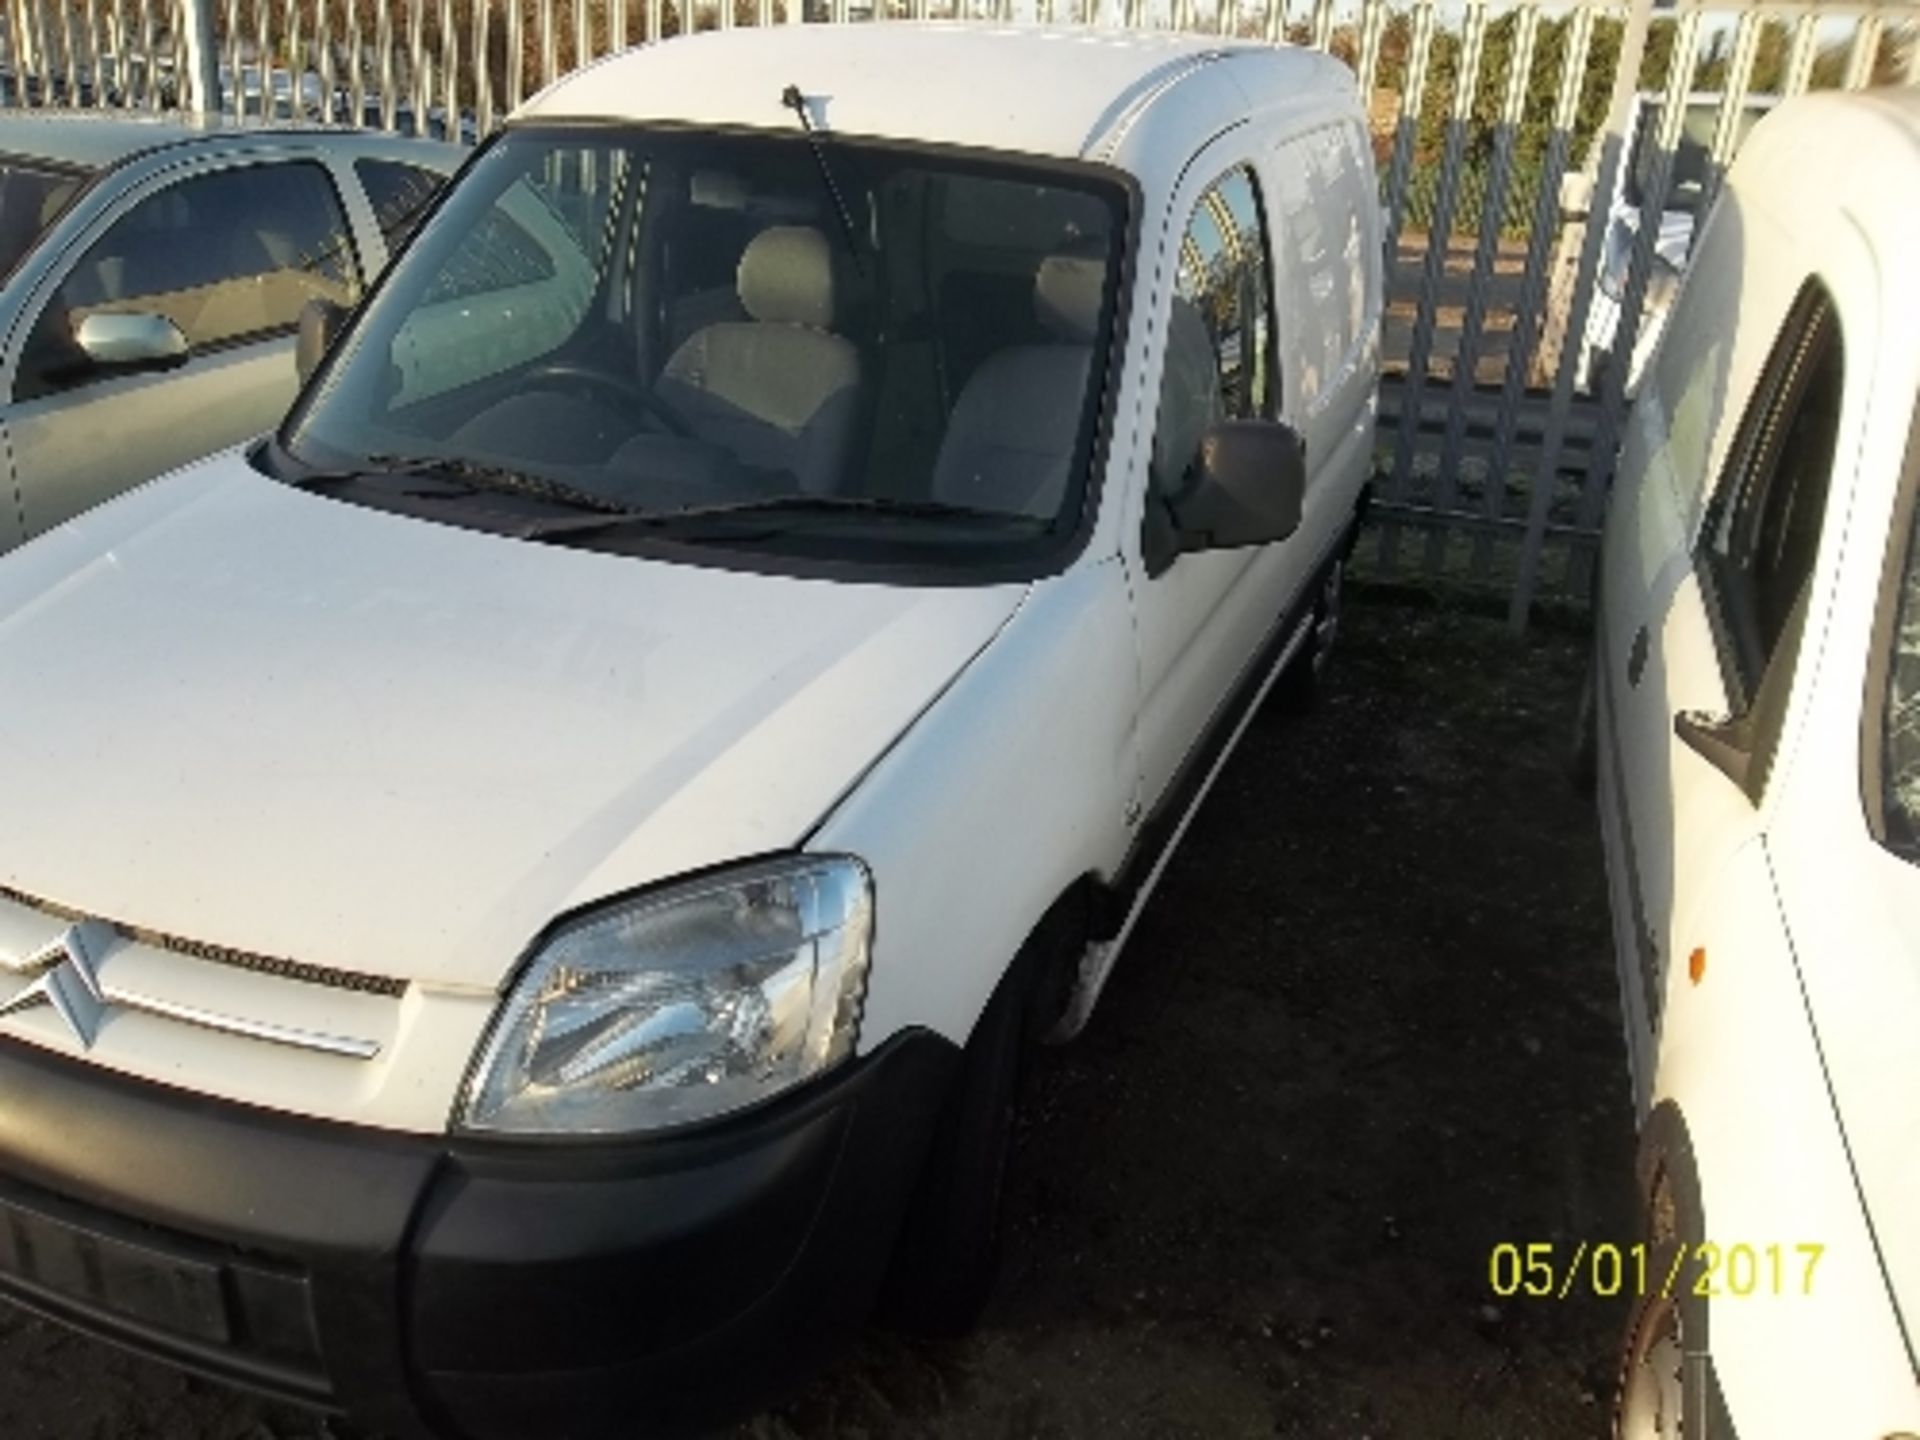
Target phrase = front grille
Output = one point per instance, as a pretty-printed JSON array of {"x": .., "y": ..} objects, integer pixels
[
  {"x": 189, "y": 1301},
  {"x": 301, "y": 970}
]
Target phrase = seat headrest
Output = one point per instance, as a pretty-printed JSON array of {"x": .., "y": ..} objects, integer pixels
[
  {"x": 1067, "y": 293},
  {"x": 788, "y": 277}
]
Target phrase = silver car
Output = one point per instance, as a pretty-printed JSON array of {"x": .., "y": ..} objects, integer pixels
[{"x": 152, "y": 274}]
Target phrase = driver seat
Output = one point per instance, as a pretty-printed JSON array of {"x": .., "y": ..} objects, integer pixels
[{"x": 779, "y": 390}]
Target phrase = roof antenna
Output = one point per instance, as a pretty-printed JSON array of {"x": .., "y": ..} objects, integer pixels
[{"x": 796, "y": 102}]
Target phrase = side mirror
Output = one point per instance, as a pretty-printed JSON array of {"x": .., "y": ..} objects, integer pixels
[
  {"x": 1245, "y": 487},
  {"x": 1720, "y": 740},
  {"x": 321, "y": 322},
  {"x": 136, "y": 341}
]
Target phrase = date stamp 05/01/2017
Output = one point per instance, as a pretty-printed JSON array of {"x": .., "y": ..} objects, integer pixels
[{"x": 1546, "y": 1271}]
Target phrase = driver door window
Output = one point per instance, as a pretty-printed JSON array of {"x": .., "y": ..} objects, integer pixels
[
  {"x": 1219, "y": 351},
  {"x": 1762, "y": 530}
]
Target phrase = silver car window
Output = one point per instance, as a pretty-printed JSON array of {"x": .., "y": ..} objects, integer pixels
[
  {"x": 227, "y": 256},
  {"x": 31, "y": 199}
]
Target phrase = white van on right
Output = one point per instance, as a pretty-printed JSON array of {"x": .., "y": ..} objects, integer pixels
[
  {"x": 1757, "y": 678},
  {"x": 1672, "y": 242}
]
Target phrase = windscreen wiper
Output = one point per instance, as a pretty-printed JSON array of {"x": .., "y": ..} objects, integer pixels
[
  {"x": 796, "y": 102},
  {"x": 770, "y": 504},
  {"x": 474, "y": 473}
]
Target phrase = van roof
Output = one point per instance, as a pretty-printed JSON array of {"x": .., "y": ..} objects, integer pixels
[
  {"x": 1052, "y": 91},
  {"x": 1786, "y": 164},
  {"x": 1899, "y": 104}
]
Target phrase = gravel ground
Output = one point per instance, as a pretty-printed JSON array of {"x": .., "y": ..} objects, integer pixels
[{"x": 1366, "y": 1030}]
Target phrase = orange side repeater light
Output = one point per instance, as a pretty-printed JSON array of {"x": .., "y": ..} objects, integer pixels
[{"x": 1697, "y": 964}]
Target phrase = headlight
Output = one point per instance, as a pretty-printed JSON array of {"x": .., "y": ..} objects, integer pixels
[{"x": 681, "y": 1004}]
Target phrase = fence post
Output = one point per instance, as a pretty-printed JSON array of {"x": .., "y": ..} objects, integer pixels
[
  {"x": 202, "y": 80},
  {"x": 26, "y": 53},
  {"x": 1399, "y": 488}
]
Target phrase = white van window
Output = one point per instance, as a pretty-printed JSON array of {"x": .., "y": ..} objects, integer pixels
[
  {"x": 515, "y": 286},
  {"x": 1689, "y": 381},
  {"x": 898, "y": 360},
  {"x": 1327, "y": 278},
  {"x": 1219, "y": 353},
  {"x": 1762, "y": 532},
  {"x": 1900, "y": 720}
]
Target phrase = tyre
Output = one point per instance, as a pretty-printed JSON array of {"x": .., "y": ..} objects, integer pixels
[
  {"x": 1666, "y": 1389},
  {"x": 1654, "y": 1374},
  {"x": 1301, "y": 684},
  {"x": 945, "y": 1260}
]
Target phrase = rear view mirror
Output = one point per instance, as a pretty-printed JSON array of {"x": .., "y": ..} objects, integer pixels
[
  {"x": 134, "y": 341},
  {"x": 320, "y": 324},
  {"x": 1245, "y": 487}
]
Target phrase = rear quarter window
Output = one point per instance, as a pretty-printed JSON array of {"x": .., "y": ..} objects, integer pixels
[
  {"x": 1890, "y": 748},
  {"x": 399, "y": 195},
  {"x": 1326, "y": 236}
]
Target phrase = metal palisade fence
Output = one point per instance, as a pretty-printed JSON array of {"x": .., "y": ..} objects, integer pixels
[{"x": 1541, "y": 167}]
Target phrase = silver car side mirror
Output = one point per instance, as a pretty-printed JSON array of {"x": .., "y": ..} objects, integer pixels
[{"x": 138, "y": 340}]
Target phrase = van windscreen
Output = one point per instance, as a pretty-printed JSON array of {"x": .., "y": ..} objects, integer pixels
[{"x": 688, "y": 335}]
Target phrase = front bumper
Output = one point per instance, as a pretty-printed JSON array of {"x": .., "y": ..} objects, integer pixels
[{"x": 435, "y": 1285}]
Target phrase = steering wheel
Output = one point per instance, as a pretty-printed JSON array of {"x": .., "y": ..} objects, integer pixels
[{"x": 624, "y": 390}]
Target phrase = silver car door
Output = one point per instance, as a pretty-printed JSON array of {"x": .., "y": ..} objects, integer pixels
[{"x": 230, "y": 253}]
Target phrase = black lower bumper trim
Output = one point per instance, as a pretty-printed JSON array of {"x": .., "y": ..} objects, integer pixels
[
  {"x": 162, "y": 1294},
  {"x": 489, "y": 1290}
]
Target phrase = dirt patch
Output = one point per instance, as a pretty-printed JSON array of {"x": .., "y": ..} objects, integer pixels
[{"x": 1366, "y": 1030}]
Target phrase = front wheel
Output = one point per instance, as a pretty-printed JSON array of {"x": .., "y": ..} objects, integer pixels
[
  {"x": 1653, "y": 1371},
  {"x": 945, "y": 1260},
  {"x": 1664, "y": 1391}
]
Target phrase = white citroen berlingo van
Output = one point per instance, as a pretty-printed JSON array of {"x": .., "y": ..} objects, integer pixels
[
  {"x": 524, "y": 893},
  {"x": 1756, "y": 738}
]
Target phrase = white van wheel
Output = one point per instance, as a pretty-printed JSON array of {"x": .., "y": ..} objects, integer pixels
[
  {"x": 946, "y": 1258},
  {"x": 1663, "y": 1390},
  {"x": 1326, "y": 619},
  {"x": 1298, "y": 688},
  {"x": 1653, "y": 1390}
]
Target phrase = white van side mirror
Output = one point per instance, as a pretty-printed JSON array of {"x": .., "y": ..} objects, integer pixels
[
  {"x": 1246, "y": 487},
  {"x": 137, "y": 340}
]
